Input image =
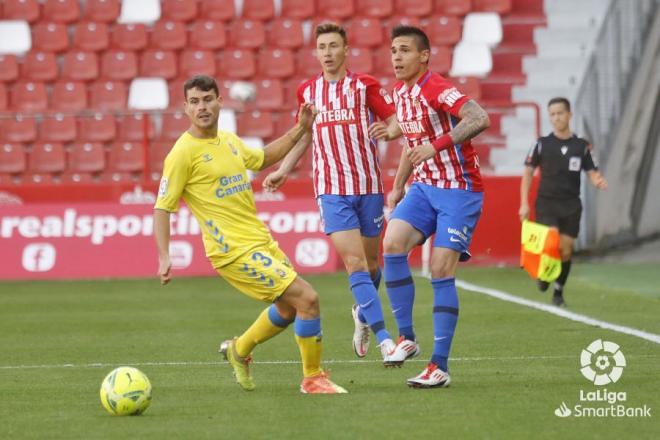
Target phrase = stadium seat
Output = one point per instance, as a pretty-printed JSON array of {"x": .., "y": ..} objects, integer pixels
[
  {"x": 86, "y": 157},
  {"x": 108, "y": 95},
  {"x": 47, "y": 157},
  {"x": 228, "y": 101},
  {"x": 390, "y": 23},
  {"x": 196, "y": 62},
  {"x": 359, "y": 60},
  {"x": 158, "y": 63},
  {"x": 469, "y": 86},
  {"x": 208, "y": 35},
  {"x": 27, "y": 10},
  {"x": 222, "y": 10},
  {"x": 52, "y": 37},
  {"x": 131, "y": 36},
  {"x": 237, "y": 64},
  {"x": 103, "y": 11},
  {"x": 119, "y": 65},
  {"x": 29, "y": 97},
  {"x": 297, "y": 9},
  {"x": 126, "y": 157},
  {"x": 90, "y": 36},
  {"x": 276, "y": 63},
  {"x": 482, "y": 27},
  {"x": 308, "y": 64},
  {"x": 452, "y": 7},
  {"x": 96, "y": 128},
  {"x": 382, "y": 58},
  {"x": 501, "y": 7},
  {"x": 247, "y": 34},
  {"x": 335, "y": 9},
  {"x": 4, "y": 100},
  {"x": 168, "y": 35},
  {"x": 375, "y": 8},
  {"x": 179, "y": 10},
  {"x": 135, "y": 127},
  {"x": 79, "y": 65},
  {"x": 263, "y": 10},
  {"x": 39, "y": 66},
  {"x": 12, "y": 158},
  {"x": 255, "y": 123},
  {"x": 440, "y": 61},
  {"x": 8, "y": 68},
  {"x": 173, "y": 124},
  {"x": 416, "y": 8},
  {"x": 18, "y": 129},
  {"x": 471, "y": 59},
  {"x": 148, "y": 94},
  {"x": 58, "y": 128},
  {"x": 285, "y": 33},
  {"x": 62, "y": 11},
  {"x": 270, "y": 95},
  {"x": 15, "y": 37},
  {"x": 143, "y": 11},
  {"x": 284, "y": 120},
  {"x": 365, "y": 32},
  {"x": 158, "y": 151},
  {"x": 68, "y": 96},
  {"x": 444, "y": 30},
  {"x": 175, "y": 90}
]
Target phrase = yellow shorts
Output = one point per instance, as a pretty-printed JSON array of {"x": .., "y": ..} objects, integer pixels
[{"x": 263, "y": 273}]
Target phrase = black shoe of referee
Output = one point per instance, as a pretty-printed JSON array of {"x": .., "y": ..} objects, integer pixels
[
  {"x": 558, "y": 299},
  {"x": 542, "y": 285}
]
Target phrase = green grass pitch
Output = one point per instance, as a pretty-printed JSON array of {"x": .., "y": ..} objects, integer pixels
[{"x": 511, "y": 366}]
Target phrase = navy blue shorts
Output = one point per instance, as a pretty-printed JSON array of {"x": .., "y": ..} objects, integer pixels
[{"x": 343, "y": 213}]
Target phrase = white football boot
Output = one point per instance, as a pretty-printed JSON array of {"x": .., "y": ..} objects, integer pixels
[
  {"x": 431, "y": 377},
  {"x": 405, "y": 349},
  {"x": 360, "y": 335}
]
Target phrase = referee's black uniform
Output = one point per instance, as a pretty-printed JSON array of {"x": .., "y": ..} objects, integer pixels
[{"x": 561, "y": 161}]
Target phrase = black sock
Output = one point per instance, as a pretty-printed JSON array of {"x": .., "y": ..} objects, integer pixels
[{"x": 563, "y": 276}]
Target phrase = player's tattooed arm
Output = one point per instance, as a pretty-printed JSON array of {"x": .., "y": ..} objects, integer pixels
[{"x": 474, "y": 120}]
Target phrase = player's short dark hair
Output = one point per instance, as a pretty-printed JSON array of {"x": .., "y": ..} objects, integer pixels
[
  {"x": 411, "y": 31},
  {"x": 560, "y": 100},
  {"x": 330, "y": 28},
  {"x": 201, "y": 82}
]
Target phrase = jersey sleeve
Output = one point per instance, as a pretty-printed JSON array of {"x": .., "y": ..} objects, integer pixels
[
  {"x": 378, "y": 99},
  {"x": 300, "y": 97},
  {"x": 176, "y": 173},
  {"x": 533, "y": 158},
  {"x": 449, "y": 98},
  {"x": 253, "y": 158},
  {"x": 589, "y": 161}
]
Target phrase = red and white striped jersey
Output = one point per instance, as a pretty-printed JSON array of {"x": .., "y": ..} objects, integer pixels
[
  {"x": 345, "y": 160},
  {"x": 427, "y": 111}
]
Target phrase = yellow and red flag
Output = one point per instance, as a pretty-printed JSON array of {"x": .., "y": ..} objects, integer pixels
[{"x": 539, "y": 251}]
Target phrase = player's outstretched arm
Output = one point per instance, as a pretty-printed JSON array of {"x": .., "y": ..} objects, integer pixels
[
  {"x": 525, "y": 184},
  {"x": 385, "y": 130},
  {"x": 162, "y": 237},
  {"x": 277, "y": 149},
  {"x": 597, "y": 179},
  {"x": 277, "y": 178}
]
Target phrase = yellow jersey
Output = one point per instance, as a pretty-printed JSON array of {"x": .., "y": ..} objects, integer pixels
[{"x": 210, "y": 175}]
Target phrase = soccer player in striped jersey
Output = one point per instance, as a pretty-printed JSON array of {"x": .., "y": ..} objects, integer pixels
[
  {"x": 347, "y": 176},
  {"x": 445, "y": 198}
]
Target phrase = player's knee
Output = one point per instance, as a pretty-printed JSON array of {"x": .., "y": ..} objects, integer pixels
[
  {"x": 393, "y": 245},
  {"x": 355, "y": 263},
  {"x": 309, "y": 300}
]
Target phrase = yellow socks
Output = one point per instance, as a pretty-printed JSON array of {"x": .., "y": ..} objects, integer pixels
[
  {"x": 268, "y": 324},
  {"x": 309, "y": 340}
]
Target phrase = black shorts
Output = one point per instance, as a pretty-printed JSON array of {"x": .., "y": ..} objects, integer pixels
[{"x": 564, "y": 214}]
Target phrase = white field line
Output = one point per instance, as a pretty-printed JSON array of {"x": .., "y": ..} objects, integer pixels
[{"x": 554, "y": 310}]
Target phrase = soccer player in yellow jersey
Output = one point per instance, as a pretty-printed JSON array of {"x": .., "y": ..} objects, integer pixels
[{"x": 207, "y": 168}]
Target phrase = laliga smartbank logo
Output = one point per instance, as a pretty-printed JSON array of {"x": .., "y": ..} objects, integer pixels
[{"x": 602, "y": 363}]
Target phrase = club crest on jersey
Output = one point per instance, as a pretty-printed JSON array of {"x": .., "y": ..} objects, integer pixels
[
  {"x": 386, "y": 96},
  {"x": 350, "y": 93},
  {"x": 564, "y": 149},
  {"x": 206, "y": 157}
]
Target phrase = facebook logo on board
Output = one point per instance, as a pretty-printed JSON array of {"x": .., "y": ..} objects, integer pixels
[{"x": 39, "y": 257}]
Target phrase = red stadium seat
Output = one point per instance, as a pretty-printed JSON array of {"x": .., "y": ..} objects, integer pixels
[
  {"x": 247, "y": 34},
  {"x": 284, "y": 121},
  {"x": 4, "y": 99},
  {"x": 179, "y": 10},
  {"x": 104, "y": 11},
  {"x": 255, "y": 123},
  {"x": 12, "y": 158},
  {"x": 206, "y": 34},
  {"x": 52, "y": 37},
  {"x": 64, "y": 11},
  {"x": 285, "y": 33},
  {"x": 444, "y": 30},
  {"x": 359, "y": 60},
  {"x": 175, "y": 90},
  {"x": 18, "y": 129},
  {"x": 416, "y": 8},
  {"x": 383, "y": 61},
  {"x": 227, "y": 101},
  {"x": 335, "y": 9},
  {"x": 222, "y": 10},
  {"x": 389, "y": 24},
  {"x": 79, "y": 65},
  {"x": 298, "y": 9},
  {"x": 452, "y": 7},
  {"x": 470, "y": 86},
  {"x": 39, "y": 66},
  {"x": 108, "y": 95},
  {"x": 29, "y": 97},
  {"x": 126, "y": 157},
  {"x": 440, "y": 61},
  {"x": 58, "y": 128},
  {"x": 132, "y": 127},
  {"x": 502, "y": 7},
  {"x": 168, "y": 35},
  {"x": 365, "y": 32},
  {"x": 375, "y": 8},
  {"x": 290, "y": 93},
  {"x": 308, "y": 64},
  {"x": 158, "y": 63},
  {"x": 158, "y": 151},
  {"x": 276, "y": 63},
  {"x": 237, "y": 64},
  {"x": 27, "y": 10},
  {"x": 86, "y": 157},
  {"x": 8, "y": 68},
  {"x": 69, "y": 96},
  {"x": 270, "y": 95},
  {"x": 91, "y": 36},
  {"x": 131, "y": 36},
  {"x": 263, "y": 10},
  {"x": 47, "y": 157},
  {"x": 119, "y": 65},
  {"x": 97, "y": 128},
  {"x": 173, "y": 125},
  {"x": 196, "y": 62}
]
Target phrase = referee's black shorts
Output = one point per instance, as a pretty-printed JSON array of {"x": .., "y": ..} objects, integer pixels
[{"x": 563, "y": 214}]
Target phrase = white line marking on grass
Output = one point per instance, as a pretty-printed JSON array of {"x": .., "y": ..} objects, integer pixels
[{"x": 559, "y": 311}]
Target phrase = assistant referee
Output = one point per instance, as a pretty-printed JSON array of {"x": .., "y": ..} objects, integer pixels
[{"x": 562, "y": 156}]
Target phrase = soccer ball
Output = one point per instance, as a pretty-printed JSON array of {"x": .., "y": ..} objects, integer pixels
[{"x": 126, "y": 391}]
